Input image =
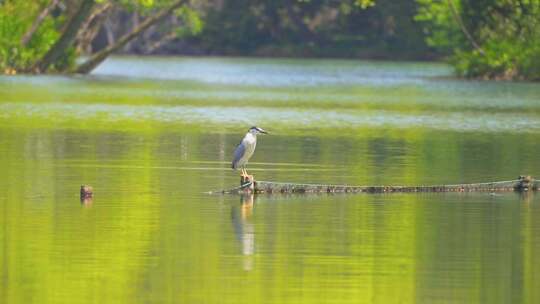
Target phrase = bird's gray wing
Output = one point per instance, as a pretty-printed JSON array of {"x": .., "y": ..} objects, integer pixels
[{"x": 238, "y": 153}]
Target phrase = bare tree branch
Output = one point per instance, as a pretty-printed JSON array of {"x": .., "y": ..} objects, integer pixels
[
  {"x": 109, "y": 31},
  {"x": 163, "y": 40},
  {"x": 100, "y": 56},
  {"x": 134, "y": 24},
  {"x": 39, "y": 20},
  {"x": 461, "y": 24},
  {"x": 91, "y": 27}
]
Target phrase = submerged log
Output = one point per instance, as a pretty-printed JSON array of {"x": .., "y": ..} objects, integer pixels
[
  {"x": 522, "y": 184},
  {"x": 525, "y": 182},
  {"x": 247, "y": 184}
]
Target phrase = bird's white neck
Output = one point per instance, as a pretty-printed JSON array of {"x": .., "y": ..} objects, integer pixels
[{"x": 251, "y": 136}]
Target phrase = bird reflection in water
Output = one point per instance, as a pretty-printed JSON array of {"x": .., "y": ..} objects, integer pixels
[
  {"x": 86, "y": 201},
  {"x": 244, "y": 229}
]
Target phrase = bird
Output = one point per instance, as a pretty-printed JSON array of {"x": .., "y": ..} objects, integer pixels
[{"x": 245, "y": 149}]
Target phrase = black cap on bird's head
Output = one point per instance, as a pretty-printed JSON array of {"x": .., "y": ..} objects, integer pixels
[{"x": 256, "y": 130}]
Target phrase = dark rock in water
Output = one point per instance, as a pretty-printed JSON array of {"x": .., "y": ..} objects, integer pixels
[{"x": 86, "y": 191}]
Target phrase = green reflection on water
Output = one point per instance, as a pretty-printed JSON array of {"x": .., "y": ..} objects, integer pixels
[{"x": 151, "y": 234}]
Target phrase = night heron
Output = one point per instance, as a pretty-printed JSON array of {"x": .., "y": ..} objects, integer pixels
[{"x": 245, "y": 150}]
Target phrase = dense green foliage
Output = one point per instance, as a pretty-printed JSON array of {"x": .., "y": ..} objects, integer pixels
[
  {"x": 506, "y": 34},
  {"x": 313, "y": 28},
  {"x": 15, "y": 18}
]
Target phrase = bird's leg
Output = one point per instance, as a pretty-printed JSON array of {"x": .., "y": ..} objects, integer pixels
[
  {"x": 247, "y": 176},
  {"x": 244, "y": 178}
]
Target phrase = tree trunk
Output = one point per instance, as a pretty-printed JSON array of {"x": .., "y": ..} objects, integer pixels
[
  {"x": 100, "y": 56},
  {"x": 90, "y": 28},
  {"x": 67, "y": 37},
  {"x": 298, "y": 21},
  {"x": 134, "y": 24},
  {"x": 463, "y": 28},
  {"x": 39, "y": 20},
  {"x": 109, "y": 31},
  {"x": 156, "y": 45}
]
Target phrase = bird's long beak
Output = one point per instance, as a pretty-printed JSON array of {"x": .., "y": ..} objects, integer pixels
[{"x": 262, "y": 131}]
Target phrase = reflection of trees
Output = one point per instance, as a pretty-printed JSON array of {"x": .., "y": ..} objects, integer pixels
[
  {"x": 61, "y": 250},
  {"x": 387, "y": 247},
  {"x": 478, "y": 254}
]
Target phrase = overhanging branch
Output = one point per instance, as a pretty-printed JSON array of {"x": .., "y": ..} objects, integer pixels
[{"x": 100, "y": 56}]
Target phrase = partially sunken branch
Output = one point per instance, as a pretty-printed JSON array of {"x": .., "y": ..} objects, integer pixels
[
  {"x": 100, "y": 56},
  {"x": 522, "y": 184}
]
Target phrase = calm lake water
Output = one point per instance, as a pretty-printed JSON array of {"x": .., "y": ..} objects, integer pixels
[{"x": 153, "y": 135}]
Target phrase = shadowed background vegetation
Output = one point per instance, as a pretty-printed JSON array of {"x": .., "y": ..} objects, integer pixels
[{"x": 491, "y": 39}]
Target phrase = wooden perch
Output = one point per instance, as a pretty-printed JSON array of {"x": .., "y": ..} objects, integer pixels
[{"x": 522, "y": 184}]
